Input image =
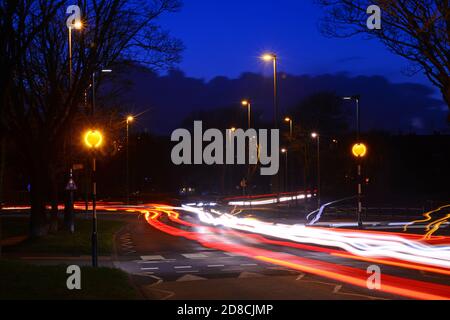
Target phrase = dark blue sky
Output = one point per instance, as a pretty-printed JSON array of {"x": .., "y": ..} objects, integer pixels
[{"x": 227, "y": 37}]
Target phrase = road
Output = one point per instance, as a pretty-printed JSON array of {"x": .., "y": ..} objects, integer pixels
[
  {"x": 174, "y": 254},
  {"x": 207, "y": 251}
]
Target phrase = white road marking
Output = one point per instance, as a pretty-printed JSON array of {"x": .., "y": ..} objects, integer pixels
[
  {"x": 156, "y": 262},
  {"x": 152, "y": 258},
  {"x": 195, "y": 255},
  {"x": 149, "y": 269},
  {"x": 216, "y": 265},
  {"x": 183, "y": 267}
]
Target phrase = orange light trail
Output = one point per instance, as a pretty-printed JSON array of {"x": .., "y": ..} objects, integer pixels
[
  {"x": 433, "y": 226},
  {"x": 391, "y": 284}
]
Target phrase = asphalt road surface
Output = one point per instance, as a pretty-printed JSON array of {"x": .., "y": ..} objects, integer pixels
[{"x": 172, "y": 256}]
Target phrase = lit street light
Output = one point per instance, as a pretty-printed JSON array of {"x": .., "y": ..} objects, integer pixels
[
  {"x": 315, "y": 135},
  {"x": 273, "y": 57},
  {"x": 71, "y": 186},
  {"x": 130, "y": 119},
  {"x": 246, "y": 103},
  {"x": 93, "y": 140},
  {"x": 78, "y": 25},
  {"x": 285, "y": 152},
  {"x": 267, "y": 58},
  {"x": 291, "y": 124}
]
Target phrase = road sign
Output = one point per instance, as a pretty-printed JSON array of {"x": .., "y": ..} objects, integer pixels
[{"x": 71, "y": 186}]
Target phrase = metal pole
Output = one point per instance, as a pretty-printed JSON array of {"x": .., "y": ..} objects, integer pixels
[
  {"x": 93, "y": 93},
  {"x": 249, "y": 115},
  {"x": 275, "y": 104},
  {"x": 275, "y": 92},
  {"x": 128, "y": 164},
  {"x": 2, "y": 171},
  {"x": 318, "y": 173},
  {"x": 358, "y": 132},
  {"x": 94, "y": 215},
  {"x": 71, "y": 192},
  {"x": 286, "y": 173},
  {"x": 358, "y": 123},
  {"x": 70, "y": 57},
  {"x": 360, "y": 224},
  {"x": 291, "y": 125}
]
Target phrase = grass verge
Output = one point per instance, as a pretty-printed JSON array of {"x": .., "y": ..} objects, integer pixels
[
  {"x": 21, "y": 281},
  {"x": 64, "y": 243}
]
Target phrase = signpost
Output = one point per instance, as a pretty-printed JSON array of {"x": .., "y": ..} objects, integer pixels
[
  {"x": 359, "y": 151},
  {"x": 71, "y": 187},
  {"x": 93, "y": 140}
]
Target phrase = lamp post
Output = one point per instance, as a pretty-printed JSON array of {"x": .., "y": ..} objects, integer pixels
[
  {"x": 272, "y": 57},
  {"x": 286, "y": 167},
  {"x": 93, "y": 85},
  {"x": 93, "y": 139},
  {"x": 316, "y": 136},
  {"x": 78, "y": 25},
  {"x": 268, "y": 57},
  {"x": 359, "y": 151},
  {"x": 291, "y": 126},
  {"x": 356, "y": 98},
  {"x": 94, "y": 88},
  {"x": 130, "y": 119},
  {"x": 246, "y": 103}
]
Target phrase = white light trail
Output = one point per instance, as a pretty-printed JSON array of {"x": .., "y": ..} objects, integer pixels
[{"x": 357, "y": 243}]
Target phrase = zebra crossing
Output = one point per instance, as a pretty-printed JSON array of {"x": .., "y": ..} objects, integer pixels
[{"x": 203, "y": 265}]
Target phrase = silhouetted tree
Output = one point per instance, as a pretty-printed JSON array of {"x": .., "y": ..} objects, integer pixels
[
  {"x": 418, "y": 30},
  {"x": 39, "y": 105}
]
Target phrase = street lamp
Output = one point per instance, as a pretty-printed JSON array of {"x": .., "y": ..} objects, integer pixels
[
  {"x": 316, "y": 136},
  {"x": 93, "y": 140},
  {"x": 130, "y": 119},
  {"x": 268, "y": 57},
  {"x": 246, "y": 103},
  {"x": 291, "y": 123},
  {"x": 78, "y": 25},
  {"x": 273, "y": 57},
  {"x": 94, "y": 87},
  {"x": 359, "y": 151},
  {"x": 356, "y": 98},
  {"x": 285, "y": 152}
]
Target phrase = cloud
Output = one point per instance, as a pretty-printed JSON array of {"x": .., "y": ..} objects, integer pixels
[{"x": 384, "y": 105}]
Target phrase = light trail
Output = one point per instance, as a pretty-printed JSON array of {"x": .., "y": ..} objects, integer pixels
[
  {"x": 361, "y": 244},
  {"x": 406, "y": 251},
  {"x": 432, "y": 227},
  {"x": 268, "y": 199},
  {"x": 390, "y": 284}
]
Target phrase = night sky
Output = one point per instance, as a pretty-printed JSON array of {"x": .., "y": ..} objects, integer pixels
[{"x": 227, "y": 37}]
